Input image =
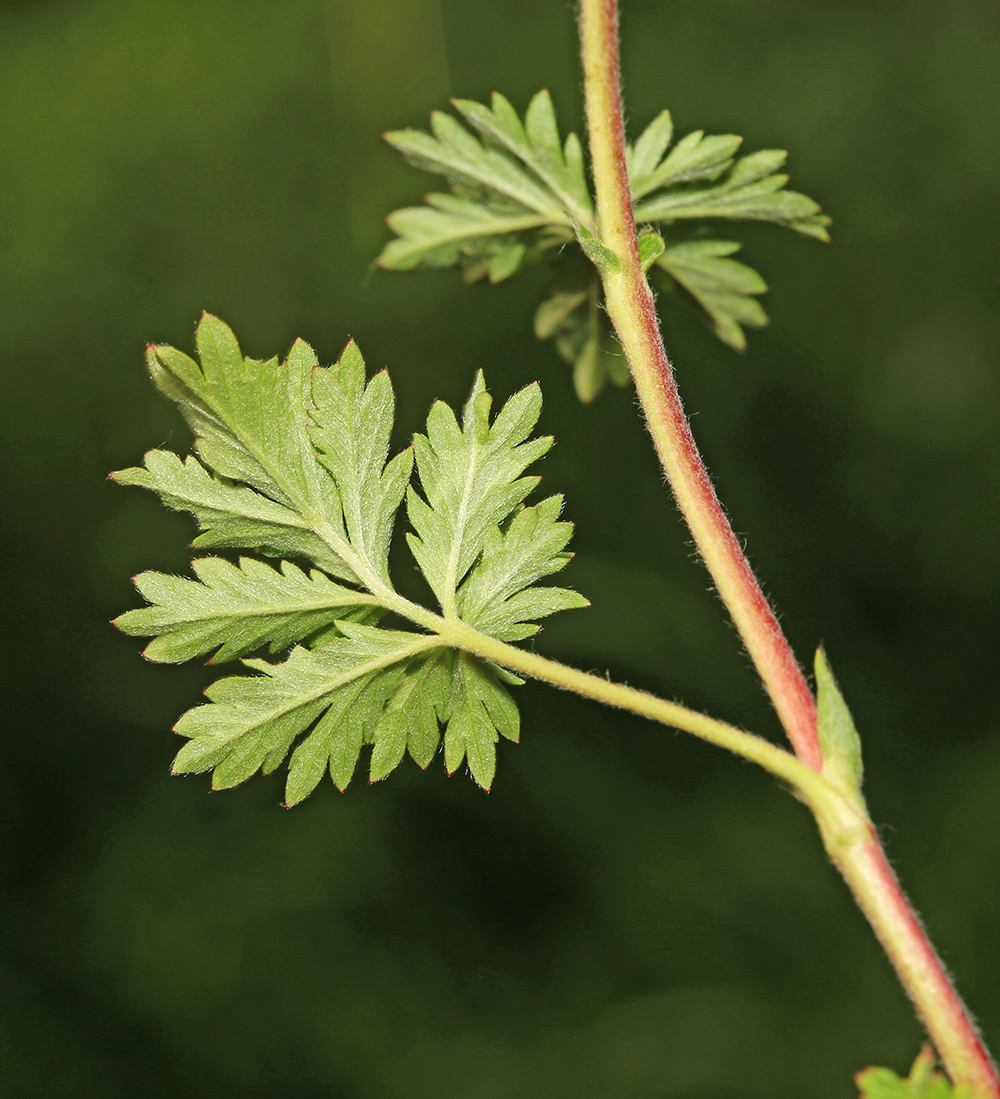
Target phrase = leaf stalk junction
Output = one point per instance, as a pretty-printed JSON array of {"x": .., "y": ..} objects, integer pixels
[{"x": 835, "y": 800}]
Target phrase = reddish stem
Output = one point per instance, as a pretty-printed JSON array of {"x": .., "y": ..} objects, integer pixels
[
  {"x": 921, "y": 972},
  {"x": 632, "y": 310}
]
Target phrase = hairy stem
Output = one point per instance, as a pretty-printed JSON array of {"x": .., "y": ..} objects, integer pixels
[
  {"x": 847, "y": 831},
  {"x": 632, "y": 311},
  {"x": 866, "y": 870},
  {"x": 848, "y": 835},
  {"x": 768, "y": 755}
]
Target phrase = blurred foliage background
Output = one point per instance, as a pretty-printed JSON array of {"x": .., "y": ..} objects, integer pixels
[{"x": 629, "y": 914}]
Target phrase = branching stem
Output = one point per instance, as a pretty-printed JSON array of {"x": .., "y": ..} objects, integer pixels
[
  {"x": 847, "y": 831},
  {"x": 632, "y": 310}
]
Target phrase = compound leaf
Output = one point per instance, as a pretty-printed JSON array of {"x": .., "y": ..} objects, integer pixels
[
  {"x": 521, "y": 193},
  {"x": 293, "y": 463},
  {"x": 516, "y": 193},
  {"x": 411, "y": 718},
  {"x": 695, "y": 157},
  {"x": 232, "y": 516},
  {"x": 452, "y": 230},
  {"x": 646, "y": 154},
  {"x": 251, "y": 722},
  {"x": 537, "y": 144},
  {"x": 480, "y": 712},
  {"x": 453, "y": 152}
]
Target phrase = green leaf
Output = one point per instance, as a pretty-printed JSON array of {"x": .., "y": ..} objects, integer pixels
[
  {"x": 232, "y": 516},
  {"x": 471, "y": 481},
  {"x": 296, "y": 458},
  {"x": 458, "y": 156},
  {"x": 452, "y": 230},
  {"x": 250, "y": 422},
  {"x": 411, "y": 718},
  {"x": 838, "y": 737},
  {"x": 694, "y": 157},
  {"x": 256, "y": 422},
  {"x": 642, "y": 159},
  {"x": 602, "y": 257},
  {"x": 749, "y": 189},
  {"x": 351, "y": 425},
  {"x": 922, "y": 1083},
  {"x": 536, "y": 143},
  {"x": 516, "y": 193},
  {"x": 479, "y": 549},
  {"x": 497, "y": 597},
  {"x": 582, "y": 334},
  {"x": 722, "y": 287},
  {"x": 480, "y": 712},
  {"x": 236, "y": 609},
  {"x": 248, "y": 416},
  {"x": 520, "y": 195},
  {"x": 250, "y": 723},
  {"x": 650, "y": 248}
]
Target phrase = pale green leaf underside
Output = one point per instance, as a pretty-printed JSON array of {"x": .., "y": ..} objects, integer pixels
[
  {"x": 471, "y": 480},
  {"x": 699, "y": 178},
  {"x": 484, "y": 238},
  {"x": 232, "y": 516},
  {"x": 520, "y": 192},
  {"x": 230, "y": 610},
  {"x": 451, "y": 151},
  {"x": 721, "y": 287},
  {"x": 294, "y": 465}
]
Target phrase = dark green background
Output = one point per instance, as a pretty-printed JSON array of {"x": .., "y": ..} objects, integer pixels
[{"x": 629, "y": 914}]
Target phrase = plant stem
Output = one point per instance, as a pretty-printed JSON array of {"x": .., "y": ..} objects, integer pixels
[
  {"x": 848, "y": 835},
  {"x": 875, "y": 886},
  {"x": 754, "y": 748},
  {"x": 847, "y": 832},
  {"x": 632, "y": 311}
]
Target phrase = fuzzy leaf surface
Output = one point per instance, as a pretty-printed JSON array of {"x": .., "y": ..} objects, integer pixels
[
  {"x": 267, "y": 486},
  {"x": 351, "y": 425},
  {"x": 452, "y": 151},
  {"x": 698, "y": 178},
  {"x": 451, "y": 231},
  {"x": 231, "y": 610},
  {"x": 498, "y": 597},
  {"x": 515, "y": 191},
  {"x": 537, "y": 144},
  {"x": 471, "y": 479},
  {"x": 232, "y": 516},
  {"x": 480, "y": 712},
  {"x": 838, "y": 736},
  {"x": 337, "y": 692},
  {"x": 292, "y": 462}
]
